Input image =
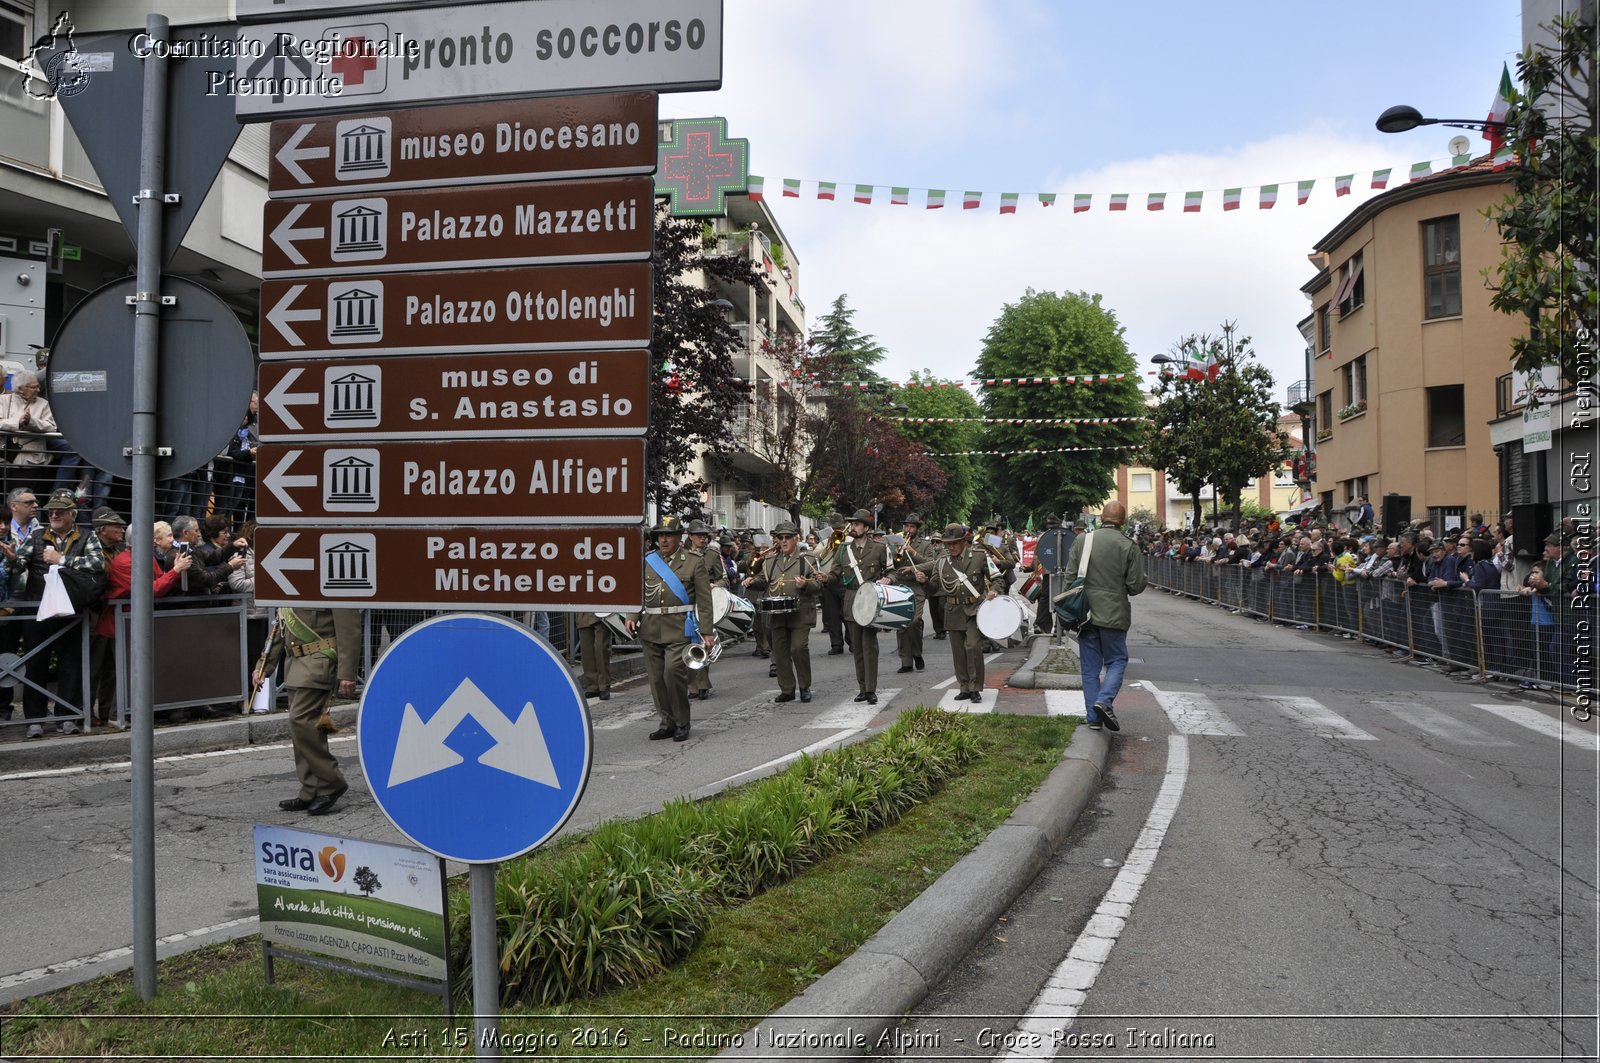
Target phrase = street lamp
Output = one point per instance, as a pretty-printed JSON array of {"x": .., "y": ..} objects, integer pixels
[{"x": 1402, "y": 119}]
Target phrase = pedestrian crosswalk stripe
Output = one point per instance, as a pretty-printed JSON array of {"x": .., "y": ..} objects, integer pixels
[
  {"x": 1193, "y": 714},
  {"x": 1063, "y": 703},
  {"x": 1534, "y": 720},
  {"x": 1323, "y": 721},
  {"x": 987, "y": 705},
  {"x": 851, "y": 713},
  {"x": 616, "y": 723},
  {"x": 1439, "y": 724}
]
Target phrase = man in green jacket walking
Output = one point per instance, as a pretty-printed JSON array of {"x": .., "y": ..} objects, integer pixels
[{"x": 1116, "y": 573}]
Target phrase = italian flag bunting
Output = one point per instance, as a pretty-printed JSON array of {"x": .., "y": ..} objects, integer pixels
[
  {"x": 1496, "y": 134},
  {"x": 755, "y": 187},
  {"x": 1269, "y": 196},
  {"x": 791, "y": 187},
  {"x": 1505, "y": 156},
  {"x": 1119, "y": 201},
  {"x": 1460, "y": 160},
  {"x": 1047, "y": 199},
  {"x": 1008, "y": 202},
  {"x": 1341, "y": 184},
  {"x": 1156, "y": 201},
  {"x": 935, "y": 198},
  {"x": 1230, "y": 198},
  {"x": 825, "y": 189},
  {"x": 971, "y": 200},
  {"x": 1191, "y": 202},
  {"x": 1419, "y": 170},
  {"x": 1380, "y": 178},
  {"x": 864, "y": 194},
  {"x": 1080, "y": 203},
  {"x": 899, "y": 197},
  {"x": 1303, "y": 192}
]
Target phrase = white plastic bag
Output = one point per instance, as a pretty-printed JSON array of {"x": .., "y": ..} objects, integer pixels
[
  {"x": 266, "y": 698},
  {"x": 56, "y": 602}
]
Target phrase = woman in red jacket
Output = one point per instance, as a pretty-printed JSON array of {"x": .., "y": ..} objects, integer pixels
[{"x": 119, "y": 585}]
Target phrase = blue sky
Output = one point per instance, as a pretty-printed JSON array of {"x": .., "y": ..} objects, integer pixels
[{"x": 1037, "y": 96}]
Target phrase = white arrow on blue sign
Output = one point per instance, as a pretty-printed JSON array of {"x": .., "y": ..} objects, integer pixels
[{"x": 474, "y": 738}]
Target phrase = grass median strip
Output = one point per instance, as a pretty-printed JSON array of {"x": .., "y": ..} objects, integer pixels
[{"x": 770, "y": 915}]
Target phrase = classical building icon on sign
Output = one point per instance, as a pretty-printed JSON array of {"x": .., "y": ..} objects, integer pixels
[
  {"x": 348, "y": 562},
  {"x": 349, "y": 481},
  {"x": 355, "y": 311},
  {"x": 352, "y": 395},
  {"x": 360, "y": 230},
  {"x": 362, "y": 148}
]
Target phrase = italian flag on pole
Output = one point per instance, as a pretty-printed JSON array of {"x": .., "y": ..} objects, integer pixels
[
  {"x": 1155, "y": 201},
  {"x": 1496, "y": 134},
  {"x": 1419, "y": 170},
  {"x": 1191, "y": 202},
  {"x": 756, "y": 188},
  {"x": 1119, "y": 201},
  {"x": 1080, "y": 203},
  {"x": 971, "y": 200},
  {"x": 1269, "y": 196},
  {"x": 826, "y": 189},
  {"x": 1230, "y": 198},
  {"x": 935, "y": 198},
  {"x": 1008, "y": 202},
  {"x": 864, "y": 194},
  {"x": 899, "y": 197},
  {"x": 791, "y": 187},
  {"x": 1303, "y": 192},
  {"x": 1380, "y": 178},
  {"x": 1341, "y": 184}
]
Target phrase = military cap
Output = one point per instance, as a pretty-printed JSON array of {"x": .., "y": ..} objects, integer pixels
[
  {"x": 954, "y": 533},
  {"x": 913, "y": 518},
  {"x": 62, "y": 499},
  {"x": 785, "y": 527},
  {"x": 106, "y": 515},
  {"x": 1555, "y": 538},
  {"x": 837, "y": 522},
  {"x": 1052, "y": 521},
  {"x": 864, "y": 516},
  {"x": 668, "y": 525},
  {"x": 698, "y": 527}
]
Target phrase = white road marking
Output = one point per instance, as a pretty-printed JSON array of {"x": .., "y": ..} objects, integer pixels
[
  {"x": 1192, "y": 714},
  {"x": 991, "y": 658},
  {"x": 1439, "y": 724},
  {"x": 976, "y": 708},
  {"x": 1064, "y": 703},
  {"x": 1534, "y": 720},
  {"x": 947, "y": 682},
  {"x": 618, "y": 722},
  {"x": 1057, "y": 1005},
  {"x": 852, "y": 714},
  {"x": 36, "y": 973},
  {"x": 1323, "y": 721}
]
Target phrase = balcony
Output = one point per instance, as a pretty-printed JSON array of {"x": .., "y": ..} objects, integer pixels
[
  {"x": 1505, "y": 403},
  {"x": 1302, "y": 397}
]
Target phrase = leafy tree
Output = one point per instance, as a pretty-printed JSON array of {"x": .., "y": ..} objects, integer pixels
[
  {"x": 366, "y": 880},
  {"x": 868, "y": 460},
  {"x": 695, "y": 390},
  {"x": 1045, "y": 334},
  {"x": 1549, "y": 218},
  {"x": 1220, "y": 432},
  {"x": 844, "y": 349},
  {"x": 960, "y": 493}
]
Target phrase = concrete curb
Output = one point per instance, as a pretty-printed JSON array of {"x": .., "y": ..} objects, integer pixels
[
  {"x": 1029, "y": 675},
  {"x": 843, "y": 1013}
]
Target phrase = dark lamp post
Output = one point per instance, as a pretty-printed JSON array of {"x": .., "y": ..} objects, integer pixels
[{"x": 1402, "y": 119}]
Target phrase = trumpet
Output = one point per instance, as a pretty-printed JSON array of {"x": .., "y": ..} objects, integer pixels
[{"x": 697, "y": 656}]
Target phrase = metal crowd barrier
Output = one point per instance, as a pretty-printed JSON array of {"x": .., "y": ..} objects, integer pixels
[{"x": 1492, "y": 633}]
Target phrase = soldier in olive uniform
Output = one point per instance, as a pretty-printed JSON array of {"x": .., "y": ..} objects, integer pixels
[
  {"x": 902, "y": 565},
  {"x": 967, "y": 577},
  {"x": 594, "y": 650},
  {"x": 833, "y": 593},
  {"x": 857, "y": 563},
  {"x": 788, "y": 572},
  {"x": 711, "y": 558},
  {"x": 667, "y": 624},
  {"x": 323, "y": 648}
]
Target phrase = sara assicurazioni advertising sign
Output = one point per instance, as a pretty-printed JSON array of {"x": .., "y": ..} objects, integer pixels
[{"x": 358, "y": 901}]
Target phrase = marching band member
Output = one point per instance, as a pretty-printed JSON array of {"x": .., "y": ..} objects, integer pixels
[
  {"x": 594, "y": 650},
  {"x": 711, "y": 559},
  {"x": 790, "y": 572},
  {"x": 833, "y": 593},
  {"x": 857, "y": 564},
  {"x": 677, "y": 610},
  {"x": 967, "y": 578},
  {"x": 903, "y": 563}
]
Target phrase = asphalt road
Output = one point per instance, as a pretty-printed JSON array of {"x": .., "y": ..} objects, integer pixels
[
  {"x": 65, "y": 871},
  {"x": 1305, "y": 850}
]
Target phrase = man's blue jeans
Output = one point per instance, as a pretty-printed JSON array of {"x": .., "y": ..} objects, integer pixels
[{"x": 1101, "y": 648}]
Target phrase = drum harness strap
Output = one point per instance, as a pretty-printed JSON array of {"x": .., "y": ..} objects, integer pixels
[
  {"x": 850, "y": 556},
  {"x": 691, "y": 623}
]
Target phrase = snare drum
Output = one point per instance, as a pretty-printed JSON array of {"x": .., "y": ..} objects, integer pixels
[
  {"x": 999, "y": 618},
  {"x": 730, "y": 614},
  {"x": 887, "y": 607},
  {"x": 779, "y": 605}
]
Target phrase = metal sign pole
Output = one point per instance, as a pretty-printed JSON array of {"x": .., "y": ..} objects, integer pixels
[
  {"x": 146, "y": 341},
  {"x": 485, "y": 964}
]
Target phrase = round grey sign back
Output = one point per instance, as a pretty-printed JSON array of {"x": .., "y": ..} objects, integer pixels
[{"x": 205, "y": 375}]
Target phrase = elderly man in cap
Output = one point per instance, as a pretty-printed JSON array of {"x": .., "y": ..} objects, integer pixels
[
  {"x": 700, "y": 544},
  {"x": 676, "y": 614},
  {"x": 61, "y": 543},
  {"x": 903, "y": 562},
  {"x": 967, "y": 578},
  {"x": 789, "y": 574},
  {"x": 111, "y": 529},
  {"x": 857, "y": 565},
  {"x": 833, "y": 593}
]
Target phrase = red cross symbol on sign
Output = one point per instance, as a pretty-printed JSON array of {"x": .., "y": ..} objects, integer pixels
[
  {"x": 355, "y": 58},
  {"x": 698, "y": 167}
]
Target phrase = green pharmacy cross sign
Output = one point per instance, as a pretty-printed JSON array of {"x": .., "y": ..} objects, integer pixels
[{"x": 698, "y": 165}]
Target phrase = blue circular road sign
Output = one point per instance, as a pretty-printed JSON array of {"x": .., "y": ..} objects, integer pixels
[{"x": 474, "y": 738}]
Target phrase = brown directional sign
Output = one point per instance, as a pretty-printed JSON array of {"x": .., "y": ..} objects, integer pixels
[
  {"x": 464, "y": 396},
  {"x": 589, "y": 569},
  {"x": 470, "y": 481},
  {"x": 520, "y": 309},
  {"x": 479, "y": 143},
  {"x": 605, "y": 220}
]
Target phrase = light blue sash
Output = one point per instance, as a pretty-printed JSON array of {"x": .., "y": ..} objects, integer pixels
[{"x": 691, "y": 623}]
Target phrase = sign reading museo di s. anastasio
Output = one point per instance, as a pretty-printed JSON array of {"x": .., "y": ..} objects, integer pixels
[{"x": 360, "y": 901}]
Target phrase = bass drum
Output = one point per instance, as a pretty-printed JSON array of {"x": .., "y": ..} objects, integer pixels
[
  {"x": 731, "y": 615},
  {"x": 999, "y": 618},
  {"x": 886, "y": 607}
]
